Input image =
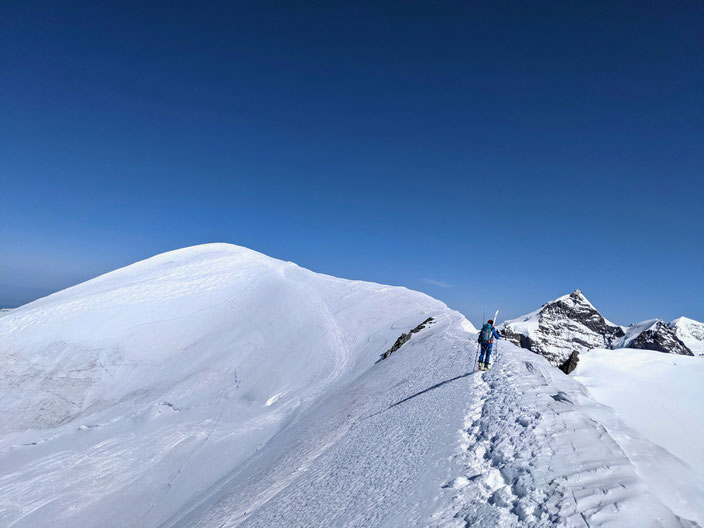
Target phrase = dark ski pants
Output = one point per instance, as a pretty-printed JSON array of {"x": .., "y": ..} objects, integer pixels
[{"x": 485, "y": 353}]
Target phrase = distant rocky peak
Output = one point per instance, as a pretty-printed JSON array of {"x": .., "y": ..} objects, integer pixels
[
  {"x": 561, "y": 326},
  {"x": 575, "y": 301},
  {"x": 571, "y": 323}
]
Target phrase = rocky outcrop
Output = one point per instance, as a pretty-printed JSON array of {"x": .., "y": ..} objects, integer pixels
[
  {"x": 398, "y": 344},
  {"x": 571, "y": 363},
  {"x": 403, "y": 338},
  {"x": 561, "y": 326}
]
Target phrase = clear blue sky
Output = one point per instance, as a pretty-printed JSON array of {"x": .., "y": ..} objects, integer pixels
[{"x": 491, "y": 154}]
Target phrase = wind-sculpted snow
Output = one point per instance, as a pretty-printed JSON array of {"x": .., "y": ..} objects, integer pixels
[{"x": 659, "y": 395}]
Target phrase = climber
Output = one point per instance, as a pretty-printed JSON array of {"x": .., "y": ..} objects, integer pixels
[{"x": 486, "y": 338}]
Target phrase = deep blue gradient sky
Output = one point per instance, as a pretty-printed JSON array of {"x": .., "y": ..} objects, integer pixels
[{"x": 491, "y": 154}]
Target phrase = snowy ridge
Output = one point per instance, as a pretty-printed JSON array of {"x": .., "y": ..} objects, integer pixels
[{"x": 633, "y": 332}]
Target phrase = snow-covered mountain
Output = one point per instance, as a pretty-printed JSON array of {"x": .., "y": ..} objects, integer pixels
[
  {"x": 214, "y": 386},
  {"x": 691, "y": 333},
  {"x": 568, "y": 323},
  {"x": 653, "y": 335},
  {"x": 572, "y": 323}
]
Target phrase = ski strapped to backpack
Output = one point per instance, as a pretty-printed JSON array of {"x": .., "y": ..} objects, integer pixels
[{"x": 486, "y": 335}]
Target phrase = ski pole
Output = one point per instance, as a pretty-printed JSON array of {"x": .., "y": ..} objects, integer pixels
[
  {"x": 476, "y": 358},
  {"x": 479, "y": 344}
]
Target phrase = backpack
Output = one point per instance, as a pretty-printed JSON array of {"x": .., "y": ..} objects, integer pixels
[{"x": 486, "y": 333}]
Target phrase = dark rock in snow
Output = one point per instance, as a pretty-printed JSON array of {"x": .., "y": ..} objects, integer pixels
[
  {"x": 571, "y": 363},
  {"x": 403, "y": 338},
  {"x": 398, "y": 344},
  {"x": 422, "y": 325}
]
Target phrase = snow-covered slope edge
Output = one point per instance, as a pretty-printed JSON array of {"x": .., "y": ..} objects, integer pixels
[{"x": 144, "y": 386}]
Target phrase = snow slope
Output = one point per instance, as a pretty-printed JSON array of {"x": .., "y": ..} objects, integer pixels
[
  {"x": 146, "y": 385},
  {"x": 420, "y": 440},
  {"x": 658, "y": 395},
  {"x": 216, "y": 387},
  {"x": 691, "y": 333}
]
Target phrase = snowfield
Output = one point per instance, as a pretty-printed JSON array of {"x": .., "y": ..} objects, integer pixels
[
  {"x": 214, "y": 386},
  {"x": 659, "y": 395}
]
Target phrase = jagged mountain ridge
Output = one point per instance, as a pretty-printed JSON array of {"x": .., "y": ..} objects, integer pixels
[
  {"x": 571, "y": 322},
  {"x": 653, "y": 334}
]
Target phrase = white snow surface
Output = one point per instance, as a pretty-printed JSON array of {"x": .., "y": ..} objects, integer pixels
[
  {"x": 659, "y": 395},
  {"x": 691, "y": 333},
  {"x": 215, "y": 386}
]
